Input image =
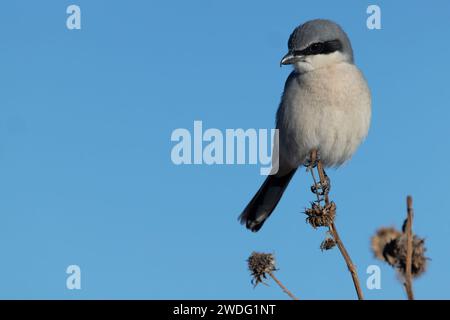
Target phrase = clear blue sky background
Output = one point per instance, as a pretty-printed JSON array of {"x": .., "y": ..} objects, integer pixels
[{"x": 85, "y": 171}]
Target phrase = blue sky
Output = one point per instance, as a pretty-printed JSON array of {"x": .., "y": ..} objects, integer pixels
[{"x": 86, "y": 176}]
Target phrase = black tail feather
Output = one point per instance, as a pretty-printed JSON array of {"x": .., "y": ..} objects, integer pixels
[{"x": 265, "y": 201}]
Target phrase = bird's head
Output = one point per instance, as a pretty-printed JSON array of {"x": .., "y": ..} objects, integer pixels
[{"x": 316, "y": 44}]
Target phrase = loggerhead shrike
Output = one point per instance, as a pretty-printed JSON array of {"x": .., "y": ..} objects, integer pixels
[{"x": 326, "y": 105}]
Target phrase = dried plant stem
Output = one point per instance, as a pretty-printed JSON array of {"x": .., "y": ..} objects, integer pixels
[
  {"x": 315, "y": 183},
  {"x": 322, "y": 179},
  {"x": 409, "y": 249},
  {"x": 282, "y": 286},
  {"x": 348, "y": 260},
  {"x": 332, "y": 227}
]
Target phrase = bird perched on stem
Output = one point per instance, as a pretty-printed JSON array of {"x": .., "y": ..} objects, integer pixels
[{"x": 326, "y": 106}]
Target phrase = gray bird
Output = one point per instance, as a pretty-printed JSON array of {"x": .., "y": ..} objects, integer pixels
[{"x": 326, "y": 105}]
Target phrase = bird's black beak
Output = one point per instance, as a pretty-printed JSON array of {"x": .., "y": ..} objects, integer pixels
[{"x": 290, "y": 58}]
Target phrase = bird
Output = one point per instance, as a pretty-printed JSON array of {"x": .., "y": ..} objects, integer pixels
[{"x": 325, "y": 106}]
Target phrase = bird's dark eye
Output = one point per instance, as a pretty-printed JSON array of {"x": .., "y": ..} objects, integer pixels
[{"x": 316, "y": 48}]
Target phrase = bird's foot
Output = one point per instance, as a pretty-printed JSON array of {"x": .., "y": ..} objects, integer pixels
[{"x": 313, "y": 160}]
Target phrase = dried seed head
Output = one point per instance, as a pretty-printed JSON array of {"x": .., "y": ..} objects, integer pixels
[
  {"x": 382, "y": 237},
  {"x": 399, "y": 249},
  {"x": 390, "y": 245},
  {"x": 319, "y": 216},
  {"x": 327, "y": 244},
  {"x": 259, "y": 265}
]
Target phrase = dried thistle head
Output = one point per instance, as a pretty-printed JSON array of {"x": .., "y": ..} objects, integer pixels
[
  {"x": 382, "y": 237},
  {"x": 327, "y": 244},
  {"x": 259, "y": 265},
  {"x": 398, "y": 250},
  {"x": 318, "y": 216},
  {"x": 390, "y": 245}
]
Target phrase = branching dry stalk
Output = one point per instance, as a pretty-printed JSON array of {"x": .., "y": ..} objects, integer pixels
[
  {"x": 409, "y": 249},
  {"x": 402, "y": 250},
  {"x": 324, "y": 216},
  {"x": 263, "y": 264},
  {"x": 351, "y": 267}
]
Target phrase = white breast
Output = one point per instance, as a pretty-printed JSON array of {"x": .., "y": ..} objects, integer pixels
[{"x": 328, "y": 109}]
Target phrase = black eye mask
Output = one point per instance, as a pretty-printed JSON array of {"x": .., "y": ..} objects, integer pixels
[{"x": 319, "y": 48}]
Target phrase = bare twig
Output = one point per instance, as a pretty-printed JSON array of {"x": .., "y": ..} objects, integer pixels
[
  {"x": 409, "y": 248},
  {"x": 282, "y": 286},
  {"x": 351, "y": 267},
  {"x": 322, "y": 179},
  {"x": 324, "y": 184},
  {"x": 403, "y": 250},
  {"x": 313, "y": 159}
]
